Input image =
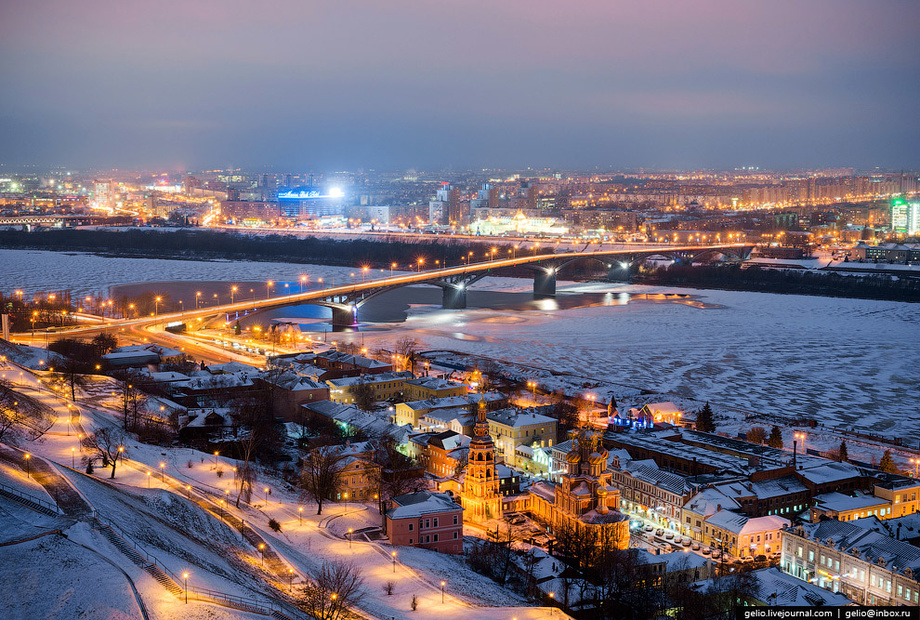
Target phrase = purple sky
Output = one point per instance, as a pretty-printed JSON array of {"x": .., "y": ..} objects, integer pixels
[{"x": 430, "y": 83}]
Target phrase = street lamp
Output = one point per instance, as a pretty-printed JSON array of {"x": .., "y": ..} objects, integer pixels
[
  {"x": 300, "y": 511},
  {"x": 346, "y": 502},
  {"x": 421, "y": 262},
  {"x": 443, "y": 583},
  {"x": 188, "y": 491},
  {"x": 156, "y": 305},
  {"x": 916, "y": 463},
  {"x": 802, "y": 437},
  {"x": 28, "y": 470},
  {"x": 393, "y": 555},
  {"x": 163, "y": 472},
  {"x": 303, "y": 279},
  {"x": 533, "y": 386},
  {"x": 72, "y": 453},
  {"x": 266, "y": 495},
  {"x": 350, "y": 532},
  {"x": 148, "y": 479},
  {"x": 392, "y": 267},
  {"x": 262, "y": 551},
  {"x": 268, "y": 289},
  {"x": 185, "y": 577},
  {"x": 291, "y": 579},
  {"x": 197, "y": 299},
  {"x": 233, "y": 290}
]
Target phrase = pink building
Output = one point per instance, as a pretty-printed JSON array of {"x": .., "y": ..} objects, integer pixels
[{"x": 428, "y": 520}]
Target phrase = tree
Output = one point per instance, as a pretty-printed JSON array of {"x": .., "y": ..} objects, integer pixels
[
  {"x": 842, "y": 452},
  {"x": 887, "y": 463},
  {"x": 104, "y": 343},
  {"x": 776, "y": 437},
  {"x": 758, "y": 434},
  {"x": 108, "y": 444},
  {"x": 704, "y": 419},
  {"x": 19, "y": 412},
  {"x": 338, "y": 586},
  {"x": 321, "y": 475},
  {"x": 364, "y": 395},
  {"x": 406, "y": 348},
  {"x": 397, "y": 474}
]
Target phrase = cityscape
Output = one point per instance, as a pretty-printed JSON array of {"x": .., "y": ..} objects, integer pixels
[{"x": 406, "y": 311}]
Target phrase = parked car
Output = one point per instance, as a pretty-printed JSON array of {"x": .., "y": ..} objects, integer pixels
[
  {"x": 649, "y": 528},
  {"x": 706, "y": 550},
  {"x": 695, "y": 546}
]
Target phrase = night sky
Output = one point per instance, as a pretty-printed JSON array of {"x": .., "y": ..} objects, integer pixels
[{"x": 393, "y": 84}]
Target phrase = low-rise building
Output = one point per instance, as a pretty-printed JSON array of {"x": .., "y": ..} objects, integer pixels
[
  {"x": 866, "y": 566},
  {"x": 510, "y": 428},
  {"x": 411, "y": 412},
  {"x": 386, "y": 386},
  {"x": 743, "y": 536},
  {"x": 903, "y": 493},
  {"x": 432, "y": 387},
  {"x": 651, "y": 492},
  {"x": 846, "y": 508},
  {"x": 428, "y": 520}
]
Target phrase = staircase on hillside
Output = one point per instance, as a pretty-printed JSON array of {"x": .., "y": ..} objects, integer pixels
[{"x": 28, "y": 502}]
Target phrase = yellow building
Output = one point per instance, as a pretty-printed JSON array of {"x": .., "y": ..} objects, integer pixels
[
  {"x": 743, "y": 536},
  {"x": 584, "y": 497},
  {"x": 432, "y": 387},
  {"x": 902, "y": 493},
  {"x": 386, "y": 386},
  {"x": 845, "y": 508},
  {"x": 511, "y": 428}
]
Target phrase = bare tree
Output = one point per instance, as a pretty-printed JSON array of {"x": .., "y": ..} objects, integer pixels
[
  {"x": 321, "y": 475},
  {"x": 108, "y": 444},
  {"x": 338, "y": 586},
  {"x": 364, "y": 395},
  {"x": 758, "y": 434},
  {"x": 406, "y": 347},
  {"x": 19, "y": 412}
]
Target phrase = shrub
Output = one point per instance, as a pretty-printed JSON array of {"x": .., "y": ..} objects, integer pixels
[
  {"x": 276, "y": 527},
  {"x": 414, "y": 603}
]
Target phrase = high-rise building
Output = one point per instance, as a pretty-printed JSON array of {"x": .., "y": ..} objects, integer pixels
[
  {"x": 905, "y": 216},
  {"x": 445, "y": 209},
  {"x": 104, "y": 193}
]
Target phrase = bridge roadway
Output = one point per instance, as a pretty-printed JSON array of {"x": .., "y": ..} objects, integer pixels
[{"x": 454, "y": 281}]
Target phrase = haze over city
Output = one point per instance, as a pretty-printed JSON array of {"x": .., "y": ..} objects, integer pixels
[
  {"x": 310, "y": 85},
  {"x": 459, "y": 310}
]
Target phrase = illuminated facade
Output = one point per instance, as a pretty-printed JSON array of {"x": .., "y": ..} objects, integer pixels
[{"x": 481, "y": 499}]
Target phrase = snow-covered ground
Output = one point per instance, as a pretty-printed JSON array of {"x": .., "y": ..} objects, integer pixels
[
  {"x": 842, "y": 361},
  {"x": 148, "y": 504}
]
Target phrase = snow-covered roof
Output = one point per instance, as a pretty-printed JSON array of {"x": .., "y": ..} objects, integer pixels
[
  {"x": 383, "y": 377},
  {"x": 234, "y": 368},
  {"x": 168, "y": 377},
  {"x": 870, "y": 545},
  {"x": 432, "y": 383},
  {"x": 839, "y": 502},
  {"x": 424, "y": 502},
  {"x": 710, "y": 501},
  {"x": 453, "y": 401},
  {"x": 830, "y": 472},
  {"x": 516, "y": 418},
  {"x": 740, "y": 524},
  {"x": 674, "y": 561},
  {"x": 777, "y": 589}
]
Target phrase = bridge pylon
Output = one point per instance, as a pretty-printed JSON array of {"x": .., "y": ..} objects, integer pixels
[{"x": 454, "y": 289}]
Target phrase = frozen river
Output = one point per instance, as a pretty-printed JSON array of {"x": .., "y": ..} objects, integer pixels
[{"x": 842, "y": 361}]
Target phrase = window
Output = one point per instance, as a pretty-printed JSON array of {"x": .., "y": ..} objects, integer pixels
[
  {"x": 427, "y": 538},
  {"x": 411, "y": 525},
  {"x": 455, "y": 519},
  {"x": 427, "y": 523},
  {"x": 811, "y": 555},
  {"x": 410, "y": 541},
  {"x": 436, "y": 538}
]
